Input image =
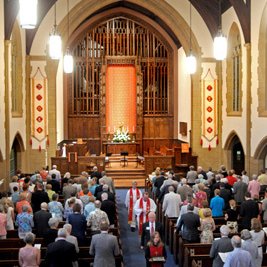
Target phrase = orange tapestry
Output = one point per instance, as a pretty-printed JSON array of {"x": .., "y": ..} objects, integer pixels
[{"x": 121, "y": 98}]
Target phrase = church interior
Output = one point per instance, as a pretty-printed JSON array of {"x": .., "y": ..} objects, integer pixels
[
  {"x": 128, "y": 86},
  {"x": 144, "y": 87}
]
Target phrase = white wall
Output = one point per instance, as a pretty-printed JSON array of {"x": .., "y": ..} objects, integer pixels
[
  {"x": 184, "y": 95},
  {"x": 238, "y": 124},
  {"x": 259, "y": 124},
  {"x": 2, "y": 82}
]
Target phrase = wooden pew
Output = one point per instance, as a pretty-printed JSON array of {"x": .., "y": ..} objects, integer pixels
[
  {"x": 17, "y": 243},
  {"x": 192, "y": 250},
  {"x": 168, "y": 223},
  {"x": 171, "y": 234}
]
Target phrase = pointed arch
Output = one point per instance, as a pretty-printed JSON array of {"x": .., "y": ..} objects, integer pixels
[
  {"x": 234, "y": 72},
  {"x": 229, "y": 141},
  {"x": 235, "y": 152},
  {"x": 261, "y": 150},
  {"x": 18, "y": 141}
]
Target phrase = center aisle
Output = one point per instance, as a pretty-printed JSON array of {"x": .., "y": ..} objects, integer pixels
[{"x": 133, "y": 256}]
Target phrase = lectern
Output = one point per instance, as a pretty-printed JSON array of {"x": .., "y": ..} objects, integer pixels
[{"x": 124, "y": 154}]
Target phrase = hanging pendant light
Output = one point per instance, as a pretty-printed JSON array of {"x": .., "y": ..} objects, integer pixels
[
  {"x": 28, "y": 13},
  {"x": 55, "y": 40},
  {"x": 191, "y": 62},
  {"x": 68, "y": 59},
  {"x": 68, "y": 62},
  {"x": 220, "y": 41}
]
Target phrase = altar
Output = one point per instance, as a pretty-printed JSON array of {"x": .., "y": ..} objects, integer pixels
[{"x": 117, "y": 148}]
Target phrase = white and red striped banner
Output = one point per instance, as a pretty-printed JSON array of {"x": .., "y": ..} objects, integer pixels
[
  {"x": 209, "y": 111},
  {"x": 39, "y": 106}
]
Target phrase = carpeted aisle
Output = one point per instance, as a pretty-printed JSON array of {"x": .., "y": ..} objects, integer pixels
[{"x": 132, "y": 254}]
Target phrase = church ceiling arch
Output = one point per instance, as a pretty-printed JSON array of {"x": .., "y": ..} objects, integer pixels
[{"x": 153, "y": 9}]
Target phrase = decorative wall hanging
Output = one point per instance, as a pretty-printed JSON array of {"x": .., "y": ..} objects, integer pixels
[
  {"x": 39, "y": 109},
  {"x": 209, "y": 136}
]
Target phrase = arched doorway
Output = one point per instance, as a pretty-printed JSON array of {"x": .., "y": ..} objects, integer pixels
[
  {"x": 261, "y": 155},
  {"x": 238, "y": 157},
  {"x": 15, "y": 155}
]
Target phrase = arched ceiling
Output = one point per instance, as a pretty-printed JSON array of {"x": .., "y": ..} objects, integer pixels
[{"x": 208, "y": 10}]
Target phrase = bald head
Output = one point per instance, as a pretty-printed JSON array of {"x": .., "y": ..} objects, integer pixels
[
  {"x": 236, "y": 241},
  {"x": 44, "y": 206},
  {"x": 151, "y": 216}
]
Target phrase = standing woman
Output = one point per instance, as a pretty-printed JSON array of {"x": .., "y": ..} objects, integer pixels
[
  {"x": 201, "y": 195},
  {"x": 3, "y": 222},
  {"x": 155, "y": 250},
  {"x": 207, "y": 226},
  {"x": 29, "y": 256},
  {"x": 258, "y": 237}
]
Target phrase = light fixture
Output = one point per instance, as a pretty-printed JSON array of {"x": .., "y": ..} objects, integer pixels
[
  {"x": 191, "y": 62},
  {"x": 55, "y": 40},
  {"x": 68, "y": 59},
  {"x": 220, "y": 41},
  {"x": 28, "y": 13}
]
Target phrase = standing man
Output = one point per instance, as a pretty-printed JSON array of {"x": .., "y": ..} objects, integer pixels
[
  {"x": 56, "y": 172},
  {"x": 104, "y": 247},
  {"x": 238, "y": 257},
  {"x": 60, "y": 253},
  {"x": 142, "y": 208},
  {"x": 149, "y": 229},
  {"x": 171, "y": 203},
  {"x": 41, "y": 219},
  {"x": 254, "y": 186},
  {"x": 220, "y": 245},
  {"x": 132, "y": 196},
  {"x": 249, "y": 209},
  {"x": 189, "y": 224},
  {"x": 239, "y": 190}
]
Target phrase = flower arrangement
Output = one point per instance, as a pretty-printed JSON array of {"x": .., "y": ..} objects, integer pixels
[{"x": 121, "y": 135}]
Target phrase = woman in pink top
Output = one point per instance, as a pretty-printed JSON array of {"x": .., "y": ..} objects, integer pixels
[
  {"x": 3, "y": 221},
  {"x": 29, "y": 256},
  {"x": 201, "y": 195}
]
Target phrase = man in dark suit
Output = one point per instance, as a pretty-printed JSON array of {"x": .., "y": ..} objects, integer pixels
[
  {"x": 60, "y": 253},
  {"x": 55, "y": 184},
  {"x": 105, "y": 189},
  {"x": 221, "y": 245},
  {"x": 41, "y": 219},
  {"x": 109, "y": 207},
  {"x": 149, "y": 228},
  {"x": 249, "y": 209},
  {"x": 96, "y": 174},
  {"x": 188, "y": 224}
]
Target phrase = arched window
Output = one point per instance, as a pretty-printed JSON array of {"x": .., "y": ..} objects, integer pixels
[
  {"x": 16, "y": 72},
  {"x": 262, "y": 62},
  {"x": 234, "y": 73}
]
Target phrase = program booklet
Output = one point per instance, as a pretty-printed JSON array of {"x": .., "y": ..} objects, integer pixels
[{"x": 157, "y": 259}]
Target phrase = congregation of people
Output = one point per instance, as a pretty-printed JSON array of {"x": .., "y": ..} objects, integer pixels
[
  {"x": 200, "y": 198},
  {"x": 61, "y": 211}
]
